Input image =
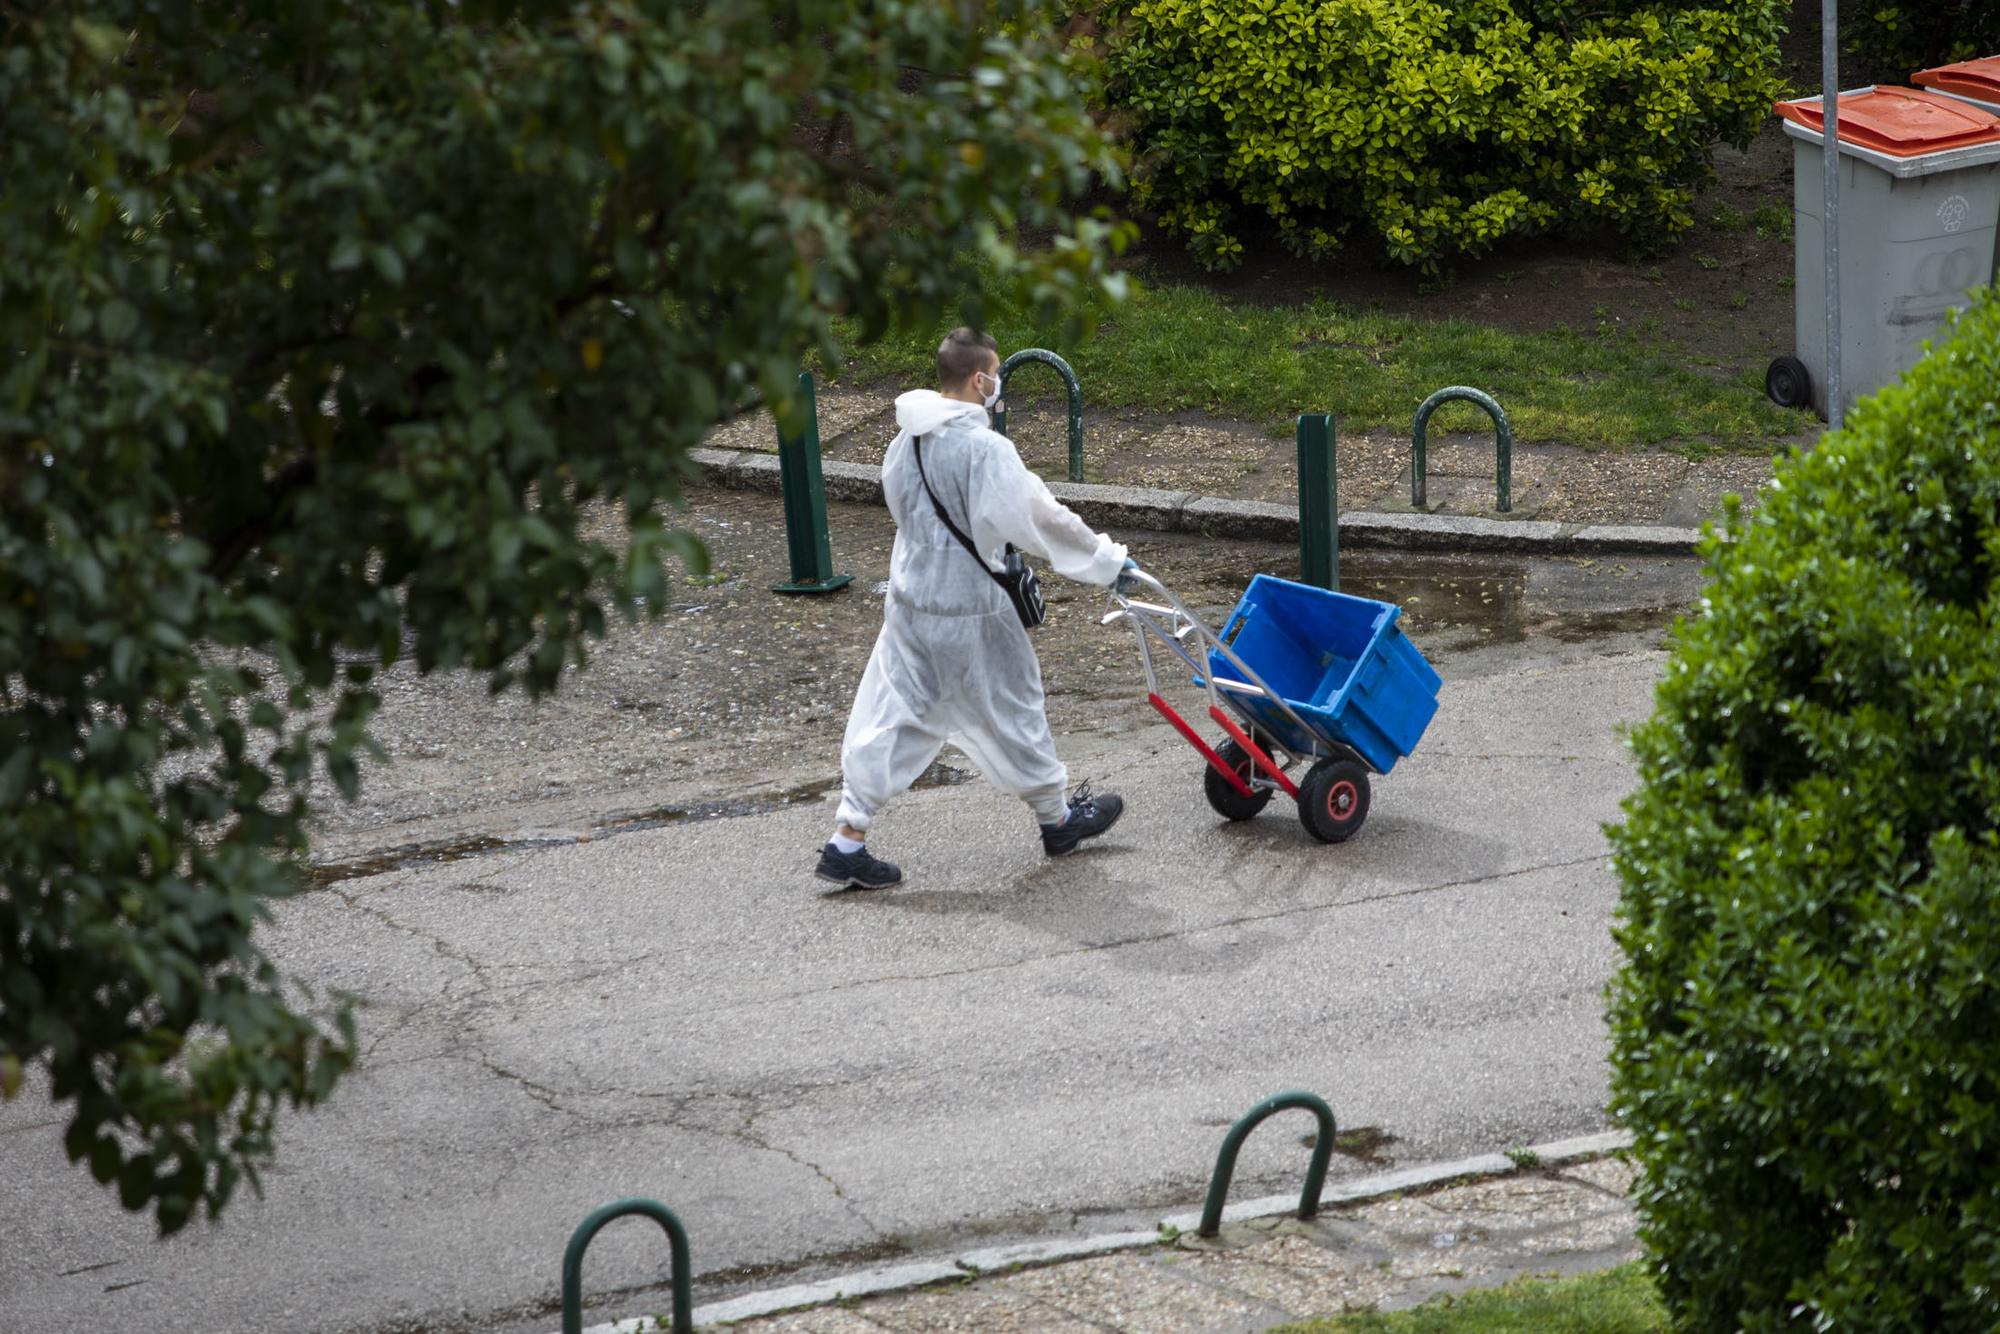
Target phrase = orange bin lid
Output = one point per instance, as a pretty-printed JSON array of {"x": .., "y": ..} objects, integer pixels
[
  {"x": 1901, "y": 122},
  {"x": 1969, "y": 78}
]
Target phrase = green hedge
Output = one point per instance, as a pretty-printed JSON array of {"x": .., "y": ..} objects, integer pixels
[
  {"x": 1438, "y": 128},
  {"x": 1806, "y": 1033},
  {"x": 1896, "y": 40}
]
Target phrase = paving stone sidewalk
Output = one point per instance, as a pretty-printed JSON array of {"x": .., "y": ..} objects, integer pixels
[
  {"x": 1245, "y": 461},
  {"x": 1386, "y": 1255}
]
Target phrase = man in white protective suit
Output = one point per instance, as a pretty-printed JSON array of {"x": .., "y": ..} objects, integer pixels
[{"x": 953, "y": 661}]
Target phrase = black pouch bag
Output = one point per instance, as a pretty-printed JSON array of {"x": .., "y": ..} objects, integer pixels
[{"x": 1016, "y": 579}]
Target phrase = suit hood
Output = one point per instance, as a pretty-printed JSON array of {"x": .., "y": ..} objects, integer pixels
[{"x": 922, "y": 411}]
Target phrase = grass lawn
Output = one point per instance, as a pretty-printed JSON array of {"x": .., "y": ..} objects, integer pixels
[
  {"x": 1173, "y": 348},
  {"x": 1619, "y": 1301}
]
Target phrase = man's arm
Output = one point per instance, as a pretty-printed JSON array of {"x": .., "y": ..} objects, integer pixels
[{"x": 1011, "y": 504}]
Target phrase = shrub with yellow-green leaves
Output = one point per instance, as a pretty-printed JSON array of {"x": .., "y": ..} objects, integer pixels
[{"x": 1439, "y": 128}]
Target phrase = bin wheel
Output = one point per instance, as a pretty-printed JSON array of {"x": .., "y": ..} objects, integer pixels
[
  {"x": 1333, "y": 801},
  {"x": 1227, "y": 801},
  {"x": 1788, "y": 383}
]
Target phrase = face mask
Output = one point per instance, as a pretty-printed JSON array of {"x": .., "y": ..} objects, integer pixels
[{"x": 994, "y": 397}]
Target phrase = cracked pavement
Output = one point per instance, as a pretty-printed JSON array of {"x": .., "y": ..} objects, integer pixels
[{"x": 1006, "y": 1047}]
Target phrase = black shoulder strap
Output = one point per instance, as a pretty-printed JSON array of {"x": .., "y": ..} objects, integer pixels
[{"x": 917, "y": 445}]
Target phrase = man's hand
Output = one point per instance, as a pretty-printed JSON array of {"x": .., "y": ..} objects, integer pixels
[{"x": 1125, "y": 583}]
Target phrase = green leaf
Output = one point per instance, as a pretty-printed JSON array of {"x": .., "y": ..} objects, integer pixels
[
  {"x": 387, "y": 263},
  {"x": 105, "y": 42},
  {"x": 117, "y": 321},
  {"x": 173, "y": 1213},
  {"x": 345, "y": 773},
  {"x": 16, "y": 772},
  {"x": 135, "y": 1183}
]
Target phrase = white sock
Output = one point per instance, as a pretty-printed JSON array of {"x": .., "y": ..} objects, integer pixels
[{"x": 847, "y": 847}]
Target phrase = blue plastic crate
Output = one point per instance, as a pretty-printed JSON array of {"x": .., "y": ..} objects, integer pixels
[{"x": 1341, "y": 662}]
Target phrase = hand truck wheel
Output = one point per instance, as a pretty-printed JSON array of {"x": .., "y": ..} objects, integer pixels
[
  {"x": 1227, "y": 801},
  {"x": 1333, "y": 801}
]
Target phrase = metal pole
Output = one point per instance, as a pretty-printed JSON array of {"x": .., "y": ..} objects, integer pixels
[
  {"x": 805, "y": 504},
  {"x": 1830, "y": 161},
  {"x": 1319, "y": 503}
]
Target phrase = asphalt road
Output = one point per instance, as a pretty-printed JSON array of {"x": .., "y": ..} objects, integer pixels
[{"x": 1006, "y": 1046}]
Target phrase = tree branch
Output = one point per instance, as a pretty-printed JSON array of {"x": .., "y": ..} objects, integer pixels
[
  {"x": 231, "y": 551},
  {"x": 299, "y": 474},
  {"x": 847, "y": 170}
]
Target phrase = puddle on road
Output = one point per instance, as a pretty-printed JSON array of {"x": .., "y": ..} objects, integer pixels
[
  {"x": 1488, "y": 601},
  {"x": 1583, "y": 627},
  {"x": 760, "y": 803},
  {"x": 413, "y": 855},
  {"x": 1364, "y": 1144},
  {"x": 420, "y": 854},
  {"x": 941, "y": 774},
  {"x": 1468, "y": 602}
]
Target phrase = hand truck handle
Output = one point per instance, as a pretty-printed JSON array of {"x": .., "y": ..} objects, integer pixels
[{"x": 1136, "y": 575}]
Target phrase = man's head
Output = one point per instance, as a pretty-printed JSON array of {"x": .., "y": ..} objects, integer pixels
[{"x": 968, "y": 365}]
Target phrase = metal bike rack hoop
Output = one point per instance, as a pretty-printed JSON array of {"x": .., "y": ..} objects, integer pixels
[
  {"x": 1048, "y": 358},
  {"x": 579, "y": 1242},
  {"x": 1503, "y": 462},
  {"x": 1225, "y": 1161}
]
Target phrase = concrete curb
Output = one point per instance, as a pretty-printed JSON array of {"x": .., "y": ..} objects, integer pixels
[
  {"x": 1130, "y": 508},
  {"x": 993, "y": 1259}
]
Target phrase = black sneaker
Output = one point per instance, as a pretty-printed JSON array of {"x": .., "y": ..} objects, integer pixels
[
  {"x": 1089, "y": 816},
  {"x": 856, "y": 870}
]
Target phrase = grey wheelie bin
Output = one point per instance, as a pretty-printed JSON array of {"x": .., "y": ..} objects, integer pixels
[
  {"x": 1919, "y": 220},
  {"x": 1974, "y": 81}
]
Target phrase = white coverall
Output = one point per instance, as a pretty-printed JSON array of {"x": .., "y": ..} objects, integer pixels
[{"x": 953, "y": 662}]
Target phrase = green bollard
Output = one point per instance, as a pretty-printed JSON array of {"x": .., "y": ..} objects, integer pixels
[
  {"x": 1319, "y": 503},
  {"x": 1075, "y": 391},
  {"x": 805, "y": 505}
]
